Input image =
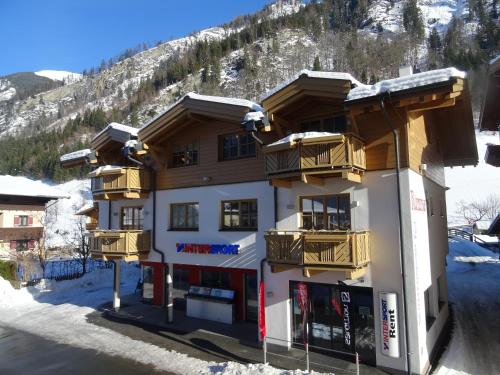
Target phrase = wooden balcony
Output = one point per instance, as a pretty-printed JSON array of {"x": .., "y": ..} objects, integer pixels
[
  {"x": 127, "y": 245},
  {"x": 21, "y": 233},
  {"x": 318, "y": 251},
  {"x": 120, "y": 183},
  {"x": 312, "y": 159},
  {"x": 92, "y": 225}
]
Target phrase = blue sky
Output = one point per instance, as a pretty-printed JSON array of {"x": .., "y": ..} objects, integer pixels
[{"x": 77, "y": 34}]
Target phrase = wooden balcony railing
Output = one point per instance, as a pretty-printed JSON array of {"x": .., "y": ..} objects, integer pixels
[
  {"x": 120, "y": 244},
  {"x": 321, "y": 156},
  {"x": 346, "y": 251},
  {"x": 120, "y": 183}
]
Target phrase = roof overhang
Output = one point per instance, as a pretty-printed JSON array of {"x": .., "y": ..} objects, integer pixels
[
  {"x": 490, "y": 113},
  {"x": 113, "y": 134},
  {"x": 450, "y": 102},
  {"x": 328, "y": 86},
  {"x": 194, "y": 107}
]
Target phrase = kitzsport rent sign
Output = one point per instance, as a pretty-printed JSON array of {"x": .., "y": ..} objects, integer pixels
[{"x": 389, "y": 328}]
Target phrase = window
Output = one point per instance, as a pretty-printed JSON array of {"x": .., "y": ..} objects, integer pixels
[
  {"x": 22, "y": 245},
  {"x": 215, "y": 279},
  {"x": 185, "y": 155},
  {"x": 332, "y": 212},
  {"x": 132, "y": 218},
  {"x": 337, "y": 124},
  {"x": 23, "y": 220},
  {"x": 184, "y": 216},
  {"x": 236, "y": 146},
  {"x": 239, "y": 215},
  {"x": 429, "y": 311}
]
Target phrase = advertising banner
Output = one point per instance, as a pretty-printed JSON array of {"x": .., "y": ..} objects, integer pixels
[
  {"x": 347, "y": 314},
  {"x": 389, "y": 328}
]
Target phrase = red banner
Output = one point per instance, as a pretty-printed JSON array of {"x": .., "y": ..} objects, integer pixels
[{"x": 262, "y": 311}]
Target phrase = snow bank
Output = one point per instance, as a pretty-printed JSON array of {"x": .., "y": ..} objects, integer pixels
[
  {"x": 405, "y": 83},
  {"x": 295, "y": 137},
  {"x": 22, "y": 186}
]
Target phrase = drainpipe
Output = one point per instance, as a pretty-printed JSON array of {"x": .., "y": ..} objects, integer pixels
[
  {"x": 167, "y": 278},
  {"x": 401, "y": 237}
]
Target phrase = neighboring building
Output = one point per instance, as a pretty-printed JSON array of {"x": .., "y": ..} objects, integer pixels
[
  {"x": 490, "y": 113},
  {"x": 199, "y": 202},
  {"x": 22, "y": 210}
]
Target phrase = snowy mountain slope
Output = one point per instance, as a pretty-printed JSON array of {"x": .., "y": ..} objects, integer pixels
[
  {"x": 471, "y": 184},
  {"x": 60, "y": 75}
]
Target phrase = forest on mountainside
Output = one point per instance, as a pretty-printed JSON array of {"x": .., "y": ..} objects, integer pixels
[{"x": 335, "y": 32}]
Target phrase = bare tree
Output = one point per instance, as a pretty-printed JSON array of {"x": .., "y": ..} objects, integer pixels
[
  {"x": 80, "y": 243},
  {"x": 486, "y": 209}
]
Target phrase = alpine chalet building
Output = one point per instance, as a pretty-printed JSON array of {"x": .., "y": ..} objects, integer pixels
[{"x": 330, "y": 193}]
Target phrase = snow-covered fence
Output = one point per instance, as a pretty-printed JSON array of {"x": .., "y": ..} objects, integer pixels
[{"x": 64, "y": 270}]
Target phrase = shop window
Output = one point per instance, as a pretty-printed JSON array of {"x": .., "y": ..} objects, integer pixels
[
  {"x": 337, "y": 124},
  {"x": 441, "y": 288},
  {"x": 239, "y": 215},
  {"x": 215, "y": 279},
  {"x": 185, "y": 155},
  {"x": 429, "y": 310},
  {"x": 132, "y": 218},
  {"x": 330, "y": 212},
  {"x": 180, "y": 287},
  {"x": 236, "y": 146},
  {"x": 184, "y": 216}
]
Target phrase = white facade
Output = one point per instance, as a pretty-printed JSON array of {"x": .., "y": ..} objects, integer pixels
[
  {"x": 252, "y": 246},
  {"x": 374, "y": 207}
]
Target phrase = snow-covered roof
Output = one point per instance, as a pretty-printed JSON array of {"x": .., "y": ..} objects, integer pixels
[
  {"x": 299, "y": 136},
  {"x": 106, "y": 169},
  {"x": 208, "y": 98},
  {"x": 405, "y": 83},
  {"x": 220, "y": 99},
  {"x": 75, "y": 155},
  {"x": 313, "y": 74},
  {"x": 25, "y": 187},
  {"x": 85, "y": 209},
  {"x": 254, "y": 116},
  {"x": 120, "y": 127}
]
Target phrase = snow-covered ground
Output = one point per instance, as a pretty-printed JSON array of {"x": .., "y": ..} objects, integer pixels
[
  {"x": 57, "y": 311},
  {"x": 474, "y": 290},
  {"x": 472, "y": 183}
]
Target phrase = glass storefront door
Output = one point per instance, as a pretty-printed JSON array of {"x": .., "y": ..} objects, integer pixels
[{"x": 322, "y": 308}]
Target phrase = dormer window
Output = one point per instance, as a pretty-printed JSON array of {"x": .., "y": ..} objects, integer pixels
[
  {"x": 185, "y": 155},
  {"x": 334, "y": 124},
  {"x": 236, "y": 146}
]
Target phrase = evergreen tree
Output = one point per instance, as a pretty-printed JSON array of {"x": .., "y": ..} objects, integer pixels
[
  {"x": 316, "y": 64},
  {"x": 412, "y": 20}
]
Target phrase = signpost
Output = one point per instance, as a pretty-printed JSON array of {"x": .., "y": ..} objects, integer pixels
[{"x": 389, "y": 324}]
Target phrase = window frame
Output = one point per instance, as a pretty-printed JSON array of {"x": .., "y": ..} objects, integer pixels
[
  {"x": 184, "y": 150},
  {"x": 140, "y": 225},
  {"x": 21, "y": 217},
  {"x": 183, "y": 204},
  {"x": 322, "y": 120},
  {"x": 223, "y": 227},
  {"x": 239, "y": 155},
  {"x": 325, "y": 210}
]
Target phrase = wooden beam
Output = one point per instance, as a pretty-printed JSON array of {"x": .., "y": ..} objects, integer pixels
[
  {"x": 355, "y": 274},
  {"x": 276, "y": 268},
  {"x": 279, "y": 124},
  {"x": 314, "y": 180},
  {"x": 350, "y": 176},
  {"x": 276, "y": 182},
  {"x": 442, "y": 103},
  {"x": 308, "y": 272}
]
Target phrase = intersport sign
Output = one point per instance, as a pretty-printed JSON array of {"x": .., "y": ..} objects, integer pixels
[{"x": 389, "y": 328}]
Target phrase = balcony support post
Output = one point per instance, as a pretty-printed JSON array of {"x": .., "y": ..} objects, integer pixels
[{"x": 116, "y": 285}]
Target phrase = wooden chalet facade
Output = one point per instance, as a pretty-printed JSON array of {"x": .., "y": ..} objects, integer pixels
[{"x": 315, "y": 212}]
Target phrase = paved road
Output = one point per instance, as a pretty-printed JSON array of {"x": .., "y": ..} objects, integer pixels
[{"x": 23, "y": 353}]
